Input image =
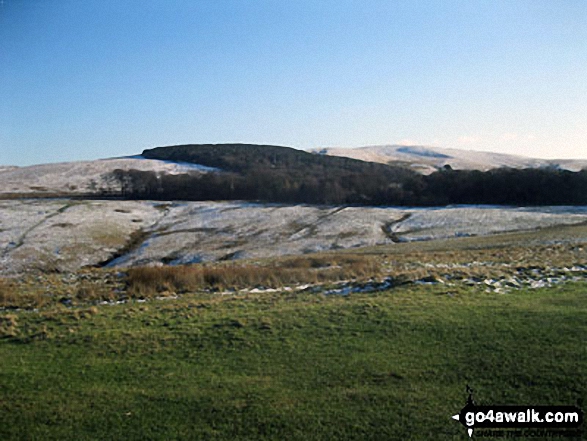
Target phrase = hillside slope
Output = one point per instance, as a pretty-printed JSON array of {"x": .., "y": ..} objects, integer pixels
[
  {"x": 81, "y": 177},
  {"x": 426, "y": 159},
  {"x": 61, "y": 235}
]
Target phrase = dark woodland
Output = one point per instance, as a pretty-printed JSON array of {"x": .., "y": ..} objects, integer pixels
[{"x": 285, "y": 175}]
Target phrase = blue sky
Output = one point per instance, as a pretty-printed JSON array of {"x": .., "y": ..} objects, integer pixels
[{"x": 101, "y": 78}]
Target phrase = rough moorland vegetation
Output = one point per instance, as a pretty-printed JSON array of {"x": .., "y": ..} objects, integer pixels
[
  {"x": 265, "y": 366},
  {"x": 286, "y": 175}
]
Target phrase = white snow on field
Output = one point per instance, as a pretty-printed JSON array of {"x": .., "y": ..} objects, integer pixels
[
  {"x": 17, "y": 217},
  {"x": 193, "y": 232},
  {"x": 83, "y": 176},
  {"x": 65, "y": 234},
  {"x": 202, "y": 231},
  {"x": 426, "y": 224}
]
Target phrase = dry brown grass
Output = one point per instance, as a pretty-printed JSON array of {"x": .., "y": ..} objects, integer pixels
[
  {"x": 30, "y": 292},
  {"x": 149, "y": 281},
  {"x": 94, "y": 291},
  {"x": 12, "y": 297},
  {"x": 8, "y": 325},
  {"x": 7, "y": 294}
]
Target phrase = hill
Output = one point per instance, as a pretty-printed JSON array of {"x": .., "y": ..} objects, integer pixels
[
  {"x": 266, "y": 173},
  {"x": 80, "y": 177},
  {"x": 286, "y": 175},
  {"x": 276, "y": 174},
  {"x": 426, "y": 160}
]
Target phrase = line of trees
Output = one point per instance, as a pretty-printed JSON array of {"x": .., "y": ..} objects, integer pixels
[
  {"x": 377, "y": 187},
  {"x": 266, "y": 186},
  {"x": 507, "y": 186}
]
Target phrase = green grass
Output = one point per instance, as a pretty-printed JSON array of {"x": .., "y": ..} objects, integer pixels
[{"x": 391, "y": 365}]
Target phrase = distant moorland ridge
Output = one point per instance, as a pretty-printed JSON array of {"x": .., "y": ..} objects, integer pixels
[
  {"x": 428, "y": 159},
  {"x": 286, "y": 175}
]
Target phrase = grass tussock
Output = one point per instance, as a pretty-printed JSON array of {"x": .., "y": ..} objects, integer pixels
[
  {"x": 93, "y": 292},
  {"x": 48, "y": 290},
  {"x": 148, "y": 281},
  {"x": 7, "y": 294},
  {"x": 8, "y": 325},
  {"x": 11, "y": 297}
]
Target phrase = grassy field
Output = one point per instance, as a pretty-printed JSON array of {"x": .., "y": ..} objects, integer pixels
[{"x": 288, "y": 366}]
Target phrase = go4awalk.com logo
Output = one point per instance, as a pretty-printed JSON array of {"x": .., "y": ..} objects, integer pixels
[{"x": 549, "y": 418}]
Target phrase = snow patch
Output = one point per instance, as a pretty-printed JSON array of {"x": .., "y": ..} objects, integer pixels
[{"x": 182, "y": 166}]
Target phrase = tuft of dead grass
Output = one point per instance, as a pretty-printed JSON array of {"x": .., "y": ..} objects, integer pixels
[
  {"x": 11, "y": 297},
  {"x": 8, "y": 325},
  {"x": 92, "y": 292},
  {"x": 7, "y": 294},
  {"x": 84, "y": 313}
]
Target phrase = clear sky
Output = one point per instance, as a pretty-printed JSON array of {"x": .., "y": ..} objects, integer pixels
[{"x": 86, "y": 79}]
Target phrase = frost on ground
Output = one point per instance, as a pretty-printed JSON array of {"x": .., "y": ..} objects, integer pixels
[
  {"x": 64, "y": 235},
  {"x": 427, "y": 224},
  {"x": 194, "y": 232},
  {"x": 83, "y": 176}
]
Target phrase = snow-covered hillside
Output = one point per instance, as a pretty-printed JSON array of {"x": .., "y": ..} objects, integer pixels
[
  {"x": 81, "y": 177},
  {"x": 428, "y": 159},
  {"x": 93, "y": 176},
  {"x": 64, "y": 235}
]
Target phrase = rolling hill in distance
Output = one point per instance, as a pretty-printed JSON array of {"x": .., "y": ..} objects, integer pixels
[
  {"x": 426, "y": 159},
  {"x": 423, "y": 159},
  {"x": 377, "y": 175}
]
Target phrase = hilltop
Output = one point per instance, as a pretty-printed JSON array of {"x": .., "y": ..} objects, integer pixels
[
  {"x": 427, "y": 159},
  {"x": 276, "y": 174}
]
